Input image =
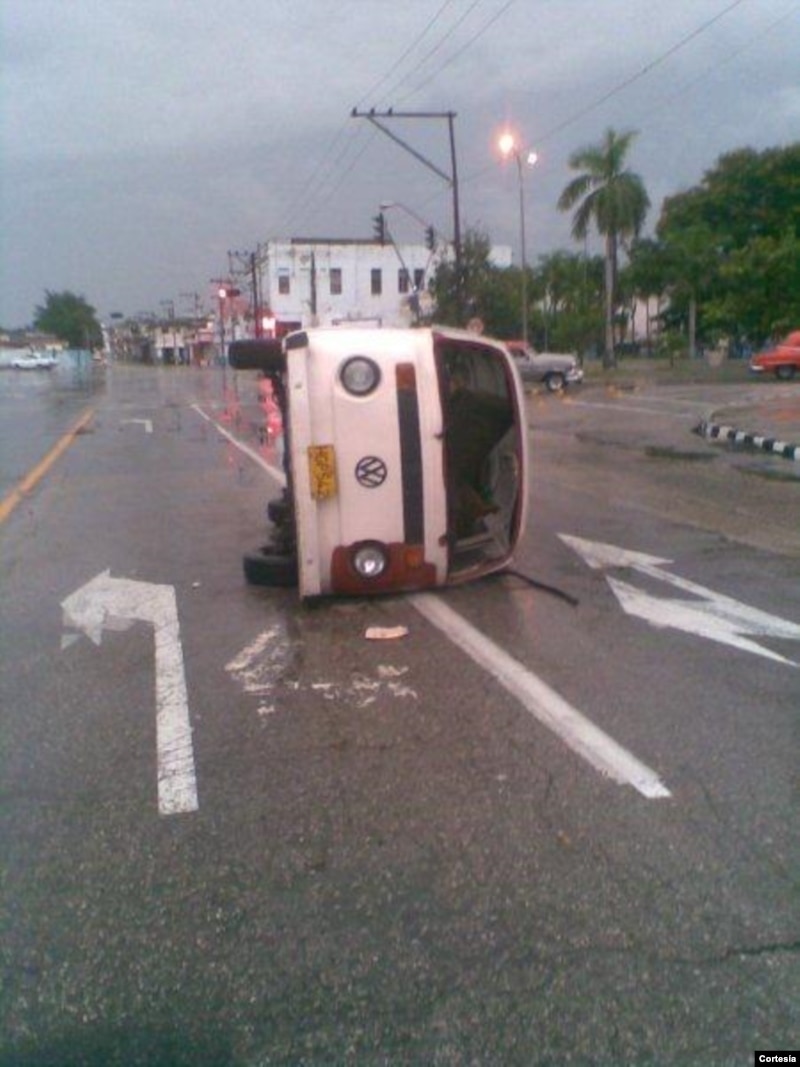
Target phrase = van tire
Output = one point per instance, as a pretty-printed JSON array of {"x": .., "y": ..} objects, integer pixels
[{"x": 270, "y": 568}]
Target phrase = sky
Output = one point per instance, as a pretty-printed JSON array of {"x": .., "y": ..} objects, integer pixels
[{"x": 142, "y": 141}]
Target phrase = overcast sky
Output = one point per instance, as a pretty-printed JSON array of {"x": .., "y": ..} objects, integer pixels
[{"x": 144, "y": 139}]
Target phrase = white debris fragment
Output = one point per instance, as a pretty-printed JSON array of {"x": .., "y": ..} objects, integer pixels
[
  {"x": 398, "y": 690},
  {"x": 385, "y": 633},
  {"x": 386, "y": 670}
]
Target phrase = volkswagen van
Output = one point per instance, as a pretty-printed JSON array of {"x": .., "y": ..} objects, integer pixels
[{"x": 405, "y": 455}]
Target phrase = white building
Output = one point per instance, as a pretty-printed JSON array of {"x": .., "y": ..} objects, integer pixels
[{"x": 331, "y": 281}]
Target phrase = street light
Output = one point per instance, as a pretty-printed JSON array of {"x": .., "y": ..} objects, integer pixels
[
  {"x": 386, "y": 206},
  {"x": 430, "y": 242},
  {"x": 507, "y": 143}
]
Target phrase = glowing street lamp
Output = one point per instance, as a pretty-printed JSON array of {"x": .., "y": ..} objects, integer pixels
[{"x": 507, "y": 143}]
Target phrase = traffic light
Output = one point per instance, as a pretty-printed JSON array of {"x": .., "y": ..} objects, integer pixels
[
  {"x": 379, "y": 228},
  {"x": 430, "y": 238}
]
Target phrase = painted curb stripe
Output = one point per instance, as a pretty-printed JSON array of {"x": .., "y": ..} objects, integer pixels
[{"x": 717, "y": 432}]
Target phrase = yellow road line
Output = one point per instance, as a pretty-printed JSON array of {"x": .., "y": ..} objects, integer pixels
[{"x": 33, "y": 477}]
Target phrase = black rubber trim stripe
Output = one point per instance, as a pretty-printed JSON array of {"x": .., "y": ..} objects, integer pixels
[{"x": 410, "y": 454}]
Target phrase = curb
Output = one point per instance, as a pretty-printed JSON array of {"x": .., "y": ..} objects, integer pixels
[{"x": 715, "y": 432}]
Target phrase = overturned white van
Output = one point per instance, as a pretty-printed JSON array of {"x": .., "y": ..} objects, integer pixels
[{"x": 405, "y": 457}]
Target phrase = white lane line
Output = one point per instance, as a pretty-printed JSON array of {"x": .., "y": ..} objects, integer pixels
[
  {"x": 146, "y": 423},
  {"x": 544, "y": 703},
  {"x": 274, "y": 472}
]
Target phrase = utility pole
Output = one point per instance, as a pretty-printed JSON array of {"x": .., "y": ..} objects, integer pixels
[
  {"x": 452, "y": 178},
  {"x": 249, "y": 265},
  {"x": 196, "y": 303}
]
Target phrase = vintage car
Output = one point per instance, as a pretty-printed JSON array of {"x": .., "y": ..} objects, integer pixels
[
  {"x": 555, "y": 370},
  {"x": 405, "y": 459},
  {"x": 783, "y": 360}
]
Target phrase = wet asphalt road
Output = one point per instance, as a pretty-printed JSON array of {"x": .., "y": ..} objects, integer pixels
[{"x": 392, "y": 860}]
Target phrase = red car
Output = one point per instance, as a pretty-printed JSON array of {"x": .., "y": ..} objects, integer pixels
[{"x": 783, "y": 360}]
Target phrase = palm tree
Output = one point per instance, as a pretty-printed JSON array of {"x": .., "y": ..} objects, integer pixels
[{"x": 612, "y": 198}]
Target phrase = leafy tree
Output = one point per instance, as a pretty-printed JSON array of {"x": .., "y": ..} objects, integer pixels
[
  {"x": 498, "y": 303},
  {"x": 758, "y": 289},
  {"x": 569, "y": 301},
  {"x": 564, "y": 294},
  {"x": 746, "y": 194},
  {"x": 646, "y": 276},
  {"x": 612, "y": 198},
  {"x": 734, "y": 243},
  {"x": 489, "y": 290},
  {"x": 691, "y": 257},
  {"x": 70, "y": 318}
]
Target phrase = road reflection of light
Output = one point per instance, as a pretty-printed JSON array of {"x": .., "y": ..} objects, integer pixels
[{"x": 273, "y": 422}]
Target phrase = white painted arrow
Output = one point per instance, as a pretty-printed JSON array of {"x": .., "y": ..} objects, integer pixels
[
  {"x": 712, "y": 615},
  {"x": 107, "y": 603}
]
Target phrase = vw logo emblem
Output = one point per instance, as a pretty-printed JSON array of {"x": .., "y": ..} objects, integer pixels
[{"x": 371, "y": 472}]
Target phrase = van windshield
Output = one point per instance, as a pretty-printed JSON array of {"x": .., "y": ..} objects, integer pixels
[{"x": 482, "y": 453}]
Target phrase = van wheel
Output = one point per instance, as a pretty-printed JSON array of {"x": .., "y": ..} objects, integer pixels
[
  {"x": 554, "y": 382},
  {"x": 270, "y": 568},
  {"x": 785, "y": 373}
]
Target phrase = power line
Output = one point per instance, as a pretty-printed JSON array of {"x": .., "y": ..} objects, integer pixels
[
  {"x": 436, "y": 48},
  {"x": 318, "y": 175},
  {"x": 640, "y": 74},
  {"x": 335, "y": 188},
  {"x": 664, "y": 101},
  {"x": 324, "y": 172},
  {"x": 398, "y": 62},
  {"x": 628, "y": 82},
  {"x": 487, "y": 25}
]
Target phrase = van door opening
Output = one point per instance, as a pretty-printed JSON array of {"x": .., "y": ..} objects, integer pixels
[{"x": 484, "y": 464}]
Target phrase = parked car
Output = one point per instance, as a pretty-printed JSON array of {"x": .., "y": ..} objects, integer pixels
[
  {"x": 405, "y": 456},
  {"x": 783, "y": 360},
  {"x": 556, "y": 370},
  {"x": 34, "y": 361}
]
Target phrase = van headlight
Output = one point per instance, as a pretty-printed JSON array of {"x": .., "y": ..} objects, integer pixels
[
  {"x": 370, "y": 559},
  {"x": 360, "y": 376}
]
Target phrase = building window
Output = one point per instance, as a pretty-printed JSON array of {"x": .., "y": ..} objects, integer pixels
[
  {"x": 419, "y": 279},
  {"x": 336, "y": 281},
  {"x": 402, "y": 280},
  {"x": 284, "y": 287},
  {"x": 376, "y": 281}
]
